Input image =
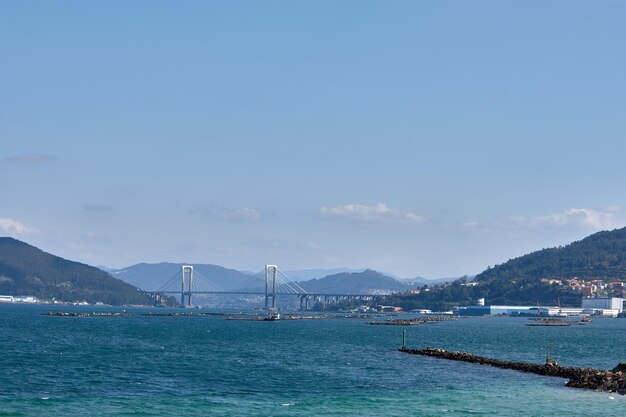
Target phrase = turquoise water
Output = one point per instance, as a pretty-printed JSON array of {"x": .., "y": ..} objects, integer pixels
[{"x": 206, "y": 366}]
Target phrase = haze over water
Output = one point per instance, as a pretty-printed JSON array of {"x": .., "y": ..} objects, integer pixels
[{"x": 199, "y": 366}]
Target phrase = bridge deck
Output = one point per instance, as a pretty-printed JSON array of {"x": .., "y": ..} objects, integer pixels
[{"x": 278, "y": 293}]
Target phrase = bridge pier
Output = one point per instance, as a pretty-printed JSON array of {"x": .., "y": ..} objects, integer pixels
[
  {"x": 304, "y": 302},
  {"x": 270, "y": 285},
  {"x": 187, "y": 278}
]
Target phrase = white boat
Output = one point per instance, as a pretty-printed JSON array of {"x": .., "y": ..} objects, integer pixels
[{"x": 272, "y": 315}]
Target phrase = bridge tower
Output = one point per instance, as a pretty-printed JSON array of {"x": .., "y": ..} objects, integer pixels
[
  {"x": 187, "y": 285},
  {"x": 270, "y": 285}
]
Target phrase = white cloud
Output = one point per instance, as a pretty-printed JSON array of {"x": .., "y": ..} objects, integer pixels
[
  {"x": 581, "y": 218},
  {"x": 13, "y": 226},
  {"x": 378, "y": 213},
  {"x": 594, "y": 219}
]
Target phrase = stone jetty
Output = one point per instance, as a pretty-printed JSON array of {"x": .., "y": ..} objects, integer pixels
[{"x": 589, "y": 378}]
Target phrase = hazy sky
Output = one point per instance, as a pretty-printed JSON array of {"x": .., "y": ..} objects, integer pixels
[{"x": 428, "y": 138}]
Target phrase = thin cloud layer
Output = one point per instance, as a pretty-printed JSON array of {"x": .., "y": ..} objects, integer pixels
[
  {"x": 573, "y": 218},
  {"x": 223, "y": 213},
  {"x": 13, "y": 226},
  {"x": 583, "y": 217},
  {"x": 30, "y": 158},
  {"x": 378, "y": 213},
  {"x": 241, "y": 214}
]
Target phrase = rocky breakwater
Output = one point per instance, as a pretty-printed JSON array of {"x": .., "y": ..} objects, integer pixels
[{"x": 589, "y": 378}]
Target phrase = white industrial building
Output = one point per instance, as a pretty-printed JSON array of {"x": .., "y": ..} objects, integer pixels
[
  {"x": 601, "y": 303},
  {"x": 27, "y": 299},
  {"x": 609, "y": 307}
]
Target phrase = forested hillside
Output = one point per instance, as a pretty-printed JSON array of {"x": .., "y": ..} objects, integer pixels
[
  {"x": 26, "y": 270},
  {"x": 518, "y": 281}
]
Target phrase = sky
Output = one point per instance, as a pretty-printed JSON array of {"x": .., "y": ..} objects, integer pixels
[{"x": 419, "y": 138}]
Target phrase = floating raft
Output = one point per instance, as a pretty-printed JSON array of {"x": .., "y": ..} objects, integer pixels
[
  {"x": 87, "y": 314},
  {"x": 588, "y": 378},
  {"x": 301, "y": 317},
  {"x": 554, "y": 322},
  {"x": 178, "y": 314},
  {"x": 413, "y": 321}
]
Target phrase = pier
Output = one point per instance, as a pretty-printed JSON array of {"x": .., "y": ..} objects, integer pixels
[{"x": 588, "y": 378}]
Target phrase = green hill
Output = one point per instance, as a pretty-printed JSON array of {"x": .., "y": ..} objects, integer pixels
[
  {"x": 518, "y": 281},
  {"x": 366, "y": 282},
  {"x": 601, "y": 255},
  {"x": 26, "y": 270}
]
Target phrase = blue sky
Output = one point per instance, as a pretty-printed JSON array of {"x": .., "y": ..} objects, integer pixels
[{"x": 430, "y": 138}]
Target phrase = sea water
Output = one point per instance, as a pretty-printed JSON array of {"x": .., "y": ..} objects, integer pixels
[{"x": 207, "y": 366}]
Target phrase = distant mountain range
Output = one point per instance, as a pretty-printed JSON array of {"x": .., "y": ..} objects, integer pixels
[
  {"x": 151, "y": 277},
  {"x": 307, "y": 274},
  {"x": 27, "y": 270},
  {"x": 366, "y": 282}
]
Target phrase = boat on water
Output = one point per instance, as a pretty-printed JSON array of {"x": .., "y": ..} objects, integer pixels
[{"x": 272, "y": 315}]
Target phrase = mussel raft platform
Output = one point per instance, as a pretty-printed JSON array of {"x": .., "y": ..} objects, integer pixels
[
  {"x": 87, "y": 314},
  {"x": 413, "y": 321},
  {"x": 588, "y": 378}
]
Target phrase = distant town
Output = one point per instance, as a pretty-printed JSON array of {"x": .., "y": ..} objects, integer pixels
[{"x": 589, "y": 288}]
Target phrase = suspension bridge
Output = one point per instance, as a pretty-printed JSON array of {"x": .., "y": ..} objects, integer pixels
[{"x": 188, "y": 283}]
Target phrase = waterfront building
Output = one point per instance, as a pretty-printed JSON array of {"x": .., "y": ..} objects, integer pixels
[
  {"x": 28, "y": 299},
  {"x": 607, "y": 307},
  {"x": 606, "y": 303},
  {"x": 483, "y": 310}
]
